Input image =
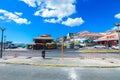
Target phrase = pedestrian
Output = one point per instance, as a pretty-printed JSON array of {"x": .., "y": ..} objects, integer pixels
[{"x": 43, "y": 54}]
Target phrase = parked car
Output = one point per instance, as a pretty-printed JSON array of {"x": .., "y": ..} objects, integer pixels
[
  {"x": 83, "y": 44},
  {"x": 77, "y": 46},
  {"x": 116, "y": 47},
  {"x": 100, "y": 46},
  {"x": 12, "y": 46}
]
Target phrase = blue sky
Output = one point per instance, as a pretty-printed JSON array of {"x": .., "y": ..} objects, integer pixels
[{"x": 27, "y": 19}]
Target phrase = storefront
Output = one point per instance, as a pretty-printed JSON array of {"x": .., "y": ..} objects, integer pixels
[{"x": 109, "y": 39}]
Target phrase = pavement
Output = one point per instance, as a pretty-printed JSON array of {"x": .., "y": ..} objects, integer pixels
[
  {"x": 94, "y": 50},
  {"x": 63, "y": 62},
  {"x": 99, "y": 51}
]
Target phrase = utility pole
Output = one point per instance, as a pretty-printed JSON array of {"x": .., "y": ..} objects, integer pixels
[
  {"x": 2, "y": 29},
  {"x": 62, "y": 48},
  {"x": 118, "y": 25}
]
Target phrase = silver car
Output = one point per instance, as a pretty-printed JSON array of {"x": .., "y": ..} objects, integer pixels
[
  {"x": 116, "y": 47},
  {"x": 100, "y": 46}
]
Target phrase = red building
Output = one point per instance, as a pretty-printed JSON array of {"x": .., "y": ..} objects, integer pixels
[{"x": 109, "y": 39}]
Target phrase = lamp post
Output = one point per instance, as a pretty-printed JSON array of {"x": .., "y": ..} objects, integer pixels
[
  {"x": 2, "y": 29},
  {"x": 118, "y": 25},
  {"x": 4, "y": 42},
  {"x": 62, "y": 48}
]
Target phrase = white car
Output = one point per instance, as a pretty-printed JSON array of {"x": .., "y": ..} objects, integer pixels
[
  {"x": 82, "y": 44},
  {"x": 115, "y": 47},
  {"x": 100, "y": 46},
  {"x": 77, "y": 46}
]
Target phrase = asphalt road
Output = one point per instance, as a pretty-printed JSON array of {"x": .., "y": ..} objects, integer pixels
[
  {"x": 57, "y": 53},
  {"x": 25, "y": 72}
]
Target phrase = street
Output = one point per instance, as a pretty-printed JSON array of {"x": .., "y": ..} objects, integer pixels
[
  {"x": 72, "y": 53},
  {"x": 25, "y": 72}
]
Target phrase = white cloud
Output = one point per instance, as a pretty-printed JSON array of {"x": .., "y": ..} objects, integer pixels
[
  {"x": 56, "y": 8},
  {"x": 9, "y": 16},
  {"x": 32, "y": 3},
  {"x": 52, "y": 20},
  {"x": 117, "y": 16},
  {"x": 116, "y": 28},
  {"x": 73, "y": 22},
  {"x": 52, "y": 8},
  {"x": 18, "y": 13},
  {"x": 1, "y": 17},
  {"x": 53, "y": 11}
]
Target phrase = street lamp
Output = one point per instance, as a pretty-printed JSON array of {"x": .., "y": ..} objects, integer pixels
[
  {"x": 118, "y": 25},
  {"x": 4, "y": 42},
  {"x": 2, "y": 29},
  {"x": 62, "y": 48}
]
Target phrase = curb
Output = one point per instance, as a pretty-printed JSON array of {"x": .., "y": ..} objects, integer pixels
[
  {"x": 60, "y": 65},
  {"x": 33, "y": 64},
  {"x": 98, "y": 51}
]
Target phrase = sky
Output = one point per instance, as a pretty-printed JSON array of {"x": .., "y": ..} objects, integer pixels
[{"x": 27, "y": 19}]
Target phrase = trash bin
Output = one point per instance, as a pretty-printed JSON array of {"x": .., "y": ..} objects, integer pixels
[{"x": 43, "y": 54}]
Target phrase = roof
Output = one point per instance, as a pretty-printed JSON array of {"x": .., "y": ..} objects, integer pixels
[
  {"x": 44, "y": 37},
  {"x": 92, "y": 35}
]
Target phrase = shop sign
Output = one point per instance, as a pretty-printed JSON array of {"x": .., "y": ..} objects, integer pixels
[{"x": 110, "y": 36}]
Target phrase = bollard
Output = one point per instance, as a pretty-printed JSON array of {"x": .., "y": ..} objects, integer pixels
[{"x": 103, "y": 58}]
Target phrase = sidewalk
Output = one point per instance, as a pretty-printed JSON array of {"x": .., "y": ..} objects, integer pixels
[
  {"x": 64, "y": 62},
  {"x": 92, "y": 50}
]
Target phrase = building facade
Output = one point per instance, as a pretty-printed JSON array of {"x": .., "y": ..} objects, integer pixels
[
  {"x": 43, "y": 42},
  {"x": 110, "y": 38}
]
